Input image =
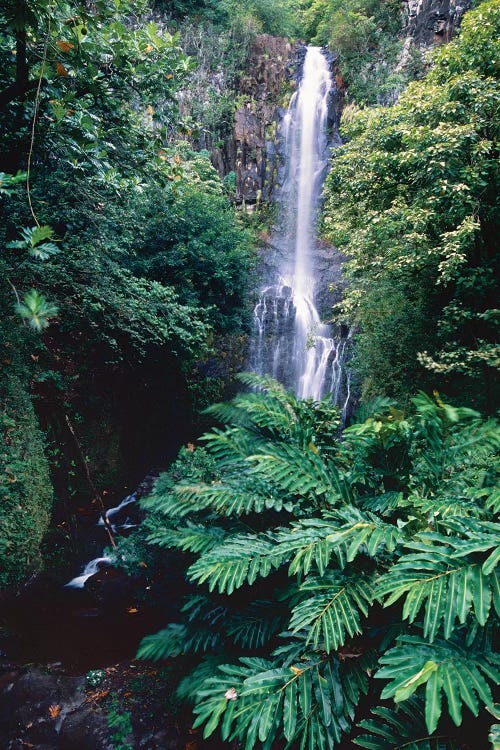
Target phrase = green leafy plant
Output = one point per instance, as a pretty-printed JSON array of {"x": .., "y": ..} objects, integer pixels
[
  {"x": 34, "y": 241},
  {"x": 326, "y": 567},
  {"x": 120, "y": 722},
  {"x": 36, "y": 310},
  {"x": 412, "y": 200}
]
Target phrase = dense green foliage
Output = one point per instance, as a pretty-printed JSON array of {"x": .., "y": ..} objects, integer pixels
[
  {"x": 278, "y": 17},
  {"x": 412, "y": 199},
  {"x": 366, "y": 36},
  {"x": 25, "y": 486},
  {"x": 338, "y": 586},
  {"x": 119, "y": 244},
  {"x": 326, "y": 569}
]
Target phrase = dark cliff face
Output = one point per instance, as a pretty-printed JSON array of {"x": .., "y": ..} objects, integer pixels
[
  {"x": 428, "y": 23},
  {"x": 254, "y": 153},
  {"x": 265, "y": 92}
]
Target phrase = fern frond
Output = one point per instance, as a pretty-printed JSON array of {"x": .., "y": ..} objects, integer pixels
[
  {"x": 452, "y": 436},
  {"x": 189, "y": 686},
  {"x": 493, "y": 500},
  {"x": 460, "y": 671},
  {"x": 193, "y": 537},
  {"x": 177, "y": 639},
  {"x": 256, "y": 625},
  {"x": 260, "y": 701},
  {"x": 236, "y": 496},
  {"x": 201, "y": 608},
  {"x": 332, "y": 610},
  {"x": 374, "y": 407},
  {"x": 305, "y": 544},
  {"x": 171, "y": 504},
  {"x": 164, "y": 644},
  {"x": 494, "y": 736},
  {"x": 363, "y": 532},
  {"x": 386, "y": 504},
  {"x": 230, "y": 447},
  {"x": 301, "y": 472},
  {"x": 446, "y": 506},
  {"x": 271, "y": 415}
]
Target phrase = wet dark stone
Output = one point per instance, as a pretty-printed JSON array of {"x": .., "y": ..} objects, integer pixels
[
  {"x": 85, "y": 729},
  {"x": 33, "y": 706}
]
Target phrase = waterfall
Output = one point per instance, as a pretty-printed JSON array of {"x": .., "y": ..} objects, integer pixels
[
  {"x": 90, "y": 569},
  {"x": 290, "y": 341}
]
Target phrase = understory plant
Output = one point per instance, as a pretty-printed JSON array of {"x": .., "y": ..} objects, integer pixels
[{"x": 344, "y": 585}]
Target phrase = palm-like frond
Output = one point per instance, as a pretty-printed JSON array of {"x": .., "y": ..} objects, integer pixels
[
  {"x": 256, "y": 625},
  {"x": 189, "y": 686},
  {"x": 192, "y": 537},
  {"x": 451, "y": 437},
  {"x": 301, "y": 472},
  {"x": 363, "y": 532},
  {"x": 400, "y": 728},
  {"x": 399, "y": 511},
  {"x": 494, "y": 736},
  {"x": 231, "y": 446},
  {"x": 258, "y": 701},
  {"x": 164, "y": 644},
  {"x": 305, "y": 543},
  {"x": 235, "y": 496},
  {"x": 241, "y": 560}
]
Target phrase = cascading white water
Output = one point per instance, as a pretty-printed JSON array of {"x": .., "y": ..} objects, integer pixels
[
  {"x": 120, "y": 522},
  {"x": 291, "y": 343},
  {"x": 90, "y": 569}
]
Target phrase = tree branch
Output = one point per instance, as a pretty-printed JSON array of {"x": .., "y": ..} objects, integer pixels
[{"x": 16, "y": 90}]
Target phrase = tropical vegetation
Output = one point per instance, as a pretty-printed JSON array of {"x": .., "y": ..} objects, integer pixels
[
  {"x": 412, "y": 199},
  {"x": 334, "y": 573},
  {"x": 331, "y": 585}
]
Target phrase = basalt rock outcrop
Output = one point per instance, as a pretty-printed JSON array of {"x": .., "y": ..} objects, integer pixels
[
  {"x": 254, "y": 152},
  {"x": 429, "y": 23},
  {"x": 265, "y": 91}
]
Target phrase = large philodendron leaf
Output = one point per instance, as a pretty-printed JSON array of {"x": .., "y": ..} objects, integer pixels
[
  {"x": 401, "y": 727},
  {"x": 191, "y": 537},
  {"x": 242, "y": 559},
  {"x": 447, "y": 576},
  {"x": 261, "y": 701},
  {"x": 462, "y": 673}
]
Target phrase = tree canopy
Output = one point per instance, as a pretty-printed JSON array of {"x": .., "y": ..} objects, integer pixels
[{"x": 412, "y": 199}]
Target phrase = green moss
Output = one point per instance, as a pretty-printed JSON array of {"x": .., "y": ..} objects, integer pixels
[{"x": 25, "y": 486}]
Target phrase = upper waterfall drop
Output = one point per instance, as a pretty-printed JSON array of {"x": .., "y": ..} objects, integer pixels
[
  {"x": 308, "y": 149},
  {"x": 290, "y": 342}
]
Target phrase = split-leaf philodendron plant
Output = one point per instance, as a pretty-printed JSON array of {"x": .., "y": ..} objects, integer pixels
[{"x": 332, "y": 572}]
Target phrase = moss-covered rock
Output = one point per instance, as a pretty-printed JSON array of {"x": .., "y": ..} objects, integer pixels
[{"x": 25, "y": 485}]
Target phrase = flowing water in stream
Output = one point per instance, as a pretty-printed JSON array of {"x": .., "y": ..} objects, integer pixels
[{"x": 290, "y": 341}]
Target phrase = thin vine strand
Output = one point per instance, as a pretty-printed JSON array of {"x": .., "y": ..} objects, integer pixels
[{"x": 35, "y": 117}]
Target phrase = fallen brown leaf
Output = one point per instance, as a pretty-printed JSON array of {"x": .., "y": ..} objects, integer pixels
[{"x": 54, "y": 711}]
